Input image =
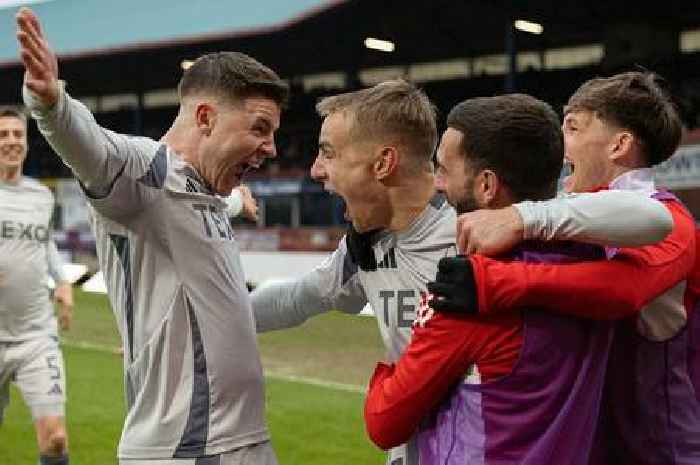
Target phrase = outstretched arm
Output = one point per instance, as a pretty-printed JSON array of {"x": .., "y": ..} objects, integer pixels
[
  {"x": 96, "y": 155},
  {"x": 333, "y": 285}
]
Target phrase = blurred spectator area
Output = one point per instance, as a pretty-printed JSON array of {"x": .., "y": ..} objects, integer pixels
[{"x": 453, "y": 50}]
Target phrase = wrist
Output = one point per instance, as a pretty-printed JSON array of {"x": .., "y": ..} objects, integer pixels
[
  {"x": 517, "y": 222},
  {"x": 525, "y": 220}
]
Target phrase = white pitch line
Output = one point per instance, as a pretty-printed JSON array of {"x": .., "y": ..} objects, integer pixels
[
  {"x": 316, "y": 382},
  {"x": 90, "y": 346},
  {"x": 268, "y": 373}
]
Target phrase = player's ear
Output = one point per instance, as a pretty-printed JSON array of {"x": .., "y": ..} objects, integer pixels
[
  {"x": 387, "y": 162},
  {"x": 622, "y": 147},
  {"x": 489, "y": 187},
  {"x": 205, "y": 118}
]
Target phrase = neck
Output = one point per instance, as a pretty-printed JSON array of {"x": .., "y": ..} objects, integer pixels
[
  {"x": 408, "y": 201},
  {"x": 618, "y": 171},
  {"x": 181, "y": 141},
  {"x": 11, "y": 175}
]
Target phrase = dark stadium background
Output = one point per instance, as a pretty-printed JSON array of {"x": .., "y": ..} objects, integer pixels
[{"x": 453, "y": 49}]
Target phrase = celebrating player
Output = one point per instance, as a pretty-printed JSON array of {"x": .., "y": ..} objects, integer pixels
[
  {"x": 193, "y": 379},
  {"x": 615, "y": 130},
  {"x": 29, "y": 351},
  {"x": 375, "y": 151},
  {"x": 520, "y": 389}
]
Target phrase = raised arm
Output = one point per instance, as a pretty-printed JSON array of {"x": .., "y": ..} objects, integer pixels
[
  {"x": 96, "y": 155},
  {"x": 611, "y": 218},
  {"x": 333, "y": 285}
]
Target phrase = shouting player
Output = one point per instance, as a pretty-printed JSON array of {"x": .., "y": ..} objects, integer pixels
[
  {"x": 192, "y": 374},
  {"x": 615, "y": 130}
]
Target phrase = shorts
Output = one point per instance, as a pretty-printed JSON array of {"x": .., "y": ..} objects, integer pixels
[
  {"x": 255, "y": 454},
  {"x": 36, "y": 367}
]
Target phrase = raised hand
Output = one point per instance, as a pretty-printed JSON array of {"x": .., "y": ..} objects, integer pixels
[
  {"x": 40, "y": 64},
  {"x": 250, "y": 205},
  {"x": 489, "y": 232},
  {"x": 454, "y": 289}
]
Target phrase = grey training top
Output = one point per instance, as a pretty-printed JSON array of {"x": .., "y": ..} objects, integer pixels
[
  {"x": 193, "y": 378},
  {"x": 25, "y": 250}
]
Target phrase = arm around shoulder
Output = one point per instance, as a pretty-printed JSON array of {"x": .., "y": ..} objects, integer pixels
[{"x": 611, "y": 217}]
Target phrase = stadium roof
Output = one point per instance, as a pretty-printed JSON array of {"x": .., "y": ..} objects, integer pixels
[
  {"x": 87, "y": 27},
  {"x": 109, "y": 46}
]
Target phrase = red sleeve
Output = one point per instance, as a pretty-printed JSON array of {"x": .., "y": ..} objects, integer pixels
[
  {"x": 440, "y": 354},
  {"x": 604, "y": 289}
]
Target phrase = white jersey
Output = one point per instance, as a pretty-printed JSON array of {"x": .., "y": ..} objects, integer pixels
[
  {"x": 193, "y": 379},
  {"x": 25, "y": 307}
]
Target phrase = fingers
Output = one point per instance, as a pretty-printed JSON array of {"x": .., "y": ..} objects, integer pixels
[
  {"x": 34, "y": 21},
  {"x": 464, "y": 232},
  {"x": 37, "y": 57},
  {"x": 438, "y": 290},
  {"x": 245, "y": 190},
  {"x": 34, "y": 68},
  {"x": 65, "y": 317},
  {"x": 28, "y": 21},
  {"x": 29, "y": 31},
  {"x": 451, "y": 264},
  {"x": 66, "y": 323},
  {"x": 471, "y": 248},
  {"x": 29, "y": 47},
  {"x": 444, "y": 306}
]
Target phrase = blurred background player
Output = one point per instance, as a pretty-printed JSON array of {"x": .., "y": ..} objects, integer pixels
[
  {"x": 30, "y": 356},
  {"x": 192, "y": 374},
  {"x": 615, "y": 130},
  {"x": 375, "y": 151}
]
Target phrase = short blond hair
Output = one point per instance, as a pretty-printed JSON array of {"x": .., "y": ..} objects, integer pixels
[{"x": 393, "y": 110}]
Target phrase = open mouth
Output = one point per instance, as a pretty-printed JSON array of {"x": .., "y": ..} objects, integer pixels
[{"x": 243, "y": 168}]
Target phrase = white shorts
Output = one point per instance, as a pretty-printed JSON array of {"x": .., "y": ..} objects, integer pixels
[
  {"x": 36, "y": 367},
  {"x": 256, "y": 454}
]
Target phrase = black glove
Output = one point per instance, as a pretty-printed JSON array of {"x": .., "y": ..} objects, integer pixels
[
  {"x": 454, "y": 288},
  {"x": 360, "y": 248}
]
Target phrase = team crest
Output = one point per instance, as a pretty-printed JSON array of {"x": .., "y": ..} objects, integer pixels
[{"x": 425, "y": 312}]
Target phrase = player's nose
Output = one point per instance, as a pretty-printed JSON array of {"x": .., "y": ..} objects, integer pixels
[{"x": 318, "y": 171}]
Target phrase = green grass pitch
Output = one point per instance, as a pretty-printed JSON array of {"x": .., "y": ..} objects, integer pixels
[{"x": 316, "y": 375}]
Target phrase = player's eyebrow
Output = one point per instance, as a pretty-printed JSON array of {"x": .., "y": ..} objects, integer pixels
[{"x": 325, "y": 146}]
